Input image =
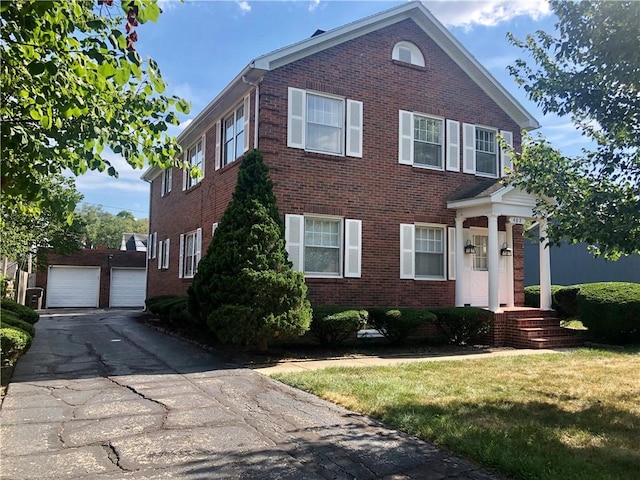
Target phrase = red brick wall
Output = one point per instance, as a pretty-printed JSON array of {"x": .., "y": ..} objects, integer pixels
[
  {"x": 106, "y": 259},
  {"x": 374, "y": 188}
]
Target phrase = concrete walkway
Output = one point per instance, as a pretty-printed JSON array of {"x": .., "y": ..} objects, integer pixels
[{"x": 102, "y": 396}]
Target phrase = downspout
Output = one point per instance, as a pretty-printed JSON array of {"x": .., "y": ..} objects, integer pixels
[{"x": 256, "y": 112}]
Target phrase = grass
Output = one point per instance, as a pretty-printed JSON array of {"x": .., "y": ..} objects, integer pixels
[{"x": 557, "y": 416}]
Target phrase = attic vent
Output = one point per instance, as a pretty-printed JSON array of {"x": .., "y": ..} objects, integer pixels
[{"x": 317, "y": 32}]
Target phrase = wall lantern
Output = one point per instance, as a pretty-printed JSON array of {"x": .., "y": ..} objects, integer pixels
[
  {"x": 505, "y": 251},
  {"x": 469, "y": 247}
]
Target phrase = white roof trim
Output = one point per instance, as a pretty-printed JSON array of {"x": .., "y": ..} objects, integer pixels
[{"x": 410, "y": 10}]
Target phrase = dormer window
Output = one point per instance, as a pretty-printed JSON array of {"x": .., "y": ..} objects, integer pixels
[{"x": 407, "y": 52}]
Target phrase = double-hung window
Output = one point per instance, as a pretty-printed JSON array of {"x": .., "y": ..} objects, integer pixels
[
  {"x": 167, "y": 181},
  {"x": 190, "y": 249},
  {"x": 323, "y": 123},
  {"x": 428, "y": 138},
  {"x": 429, "y": 252},
  {"x": 422, "y": 141},
  {"x": 233, "y": 132},
  {"x": 322, "y": 246},
  {"x": 163, "y": 254},
  {"x": 194, "y": 159},
  {"x": 422, "y": 252},
  {"x": 481, "y": 153},
  {"x": 486, "y": 152}
]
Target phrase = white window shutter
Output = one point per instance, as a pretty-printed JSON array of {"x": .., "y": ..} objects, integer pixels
[
  {"x": 149, "y": 243},
  {"x": 507, "y": 161},
  {"x": 354, "y": 128},
  {"x": 407, "y": 250},
  {"x": 214, "y": 227},
  {"x": 154, "y": 247},
  {"x": 198, "y": 247},
  {"x": 185, "y": 170},
  {"x": 469, "y": 145},
  {"x": 405, "y": 140},
  {"x": 451, "y": 245},
  {"x": 165, "y": 264},
  {"x": 247, "y": 106},
  {"x": 218, "y": 144},
  {"x": 296, "y": 118},
  {"x": 294, "y": 232},
  {"x": 181, "y": 258},
  {"x": 163, "y": 184},
  {"x": 204, "y": 154},
  {"x": 353, "y": 248},
  {"x": 170, "y": 179},
  {"x": 453, "y": 145},
  {"x": 160, "y": 250}
]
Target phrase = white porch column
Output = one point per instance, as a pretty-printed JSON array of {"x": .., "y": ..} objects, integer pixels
[
  {"x": 459, "y": 262},
  {"x": 545, "y": 268},
  {"x": 509, "y": 265},
  {"x": 493, "y": 260}
]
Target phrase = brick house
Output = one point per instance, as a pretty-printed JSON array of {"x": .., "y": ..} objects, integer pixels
[{"x": 382, "y": 141}]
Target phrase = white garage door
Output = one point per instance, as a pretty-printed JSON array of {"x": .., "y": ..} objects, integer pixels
[
  {"x": 128, "y": 287},
  {"x": 73, "y": 286}
]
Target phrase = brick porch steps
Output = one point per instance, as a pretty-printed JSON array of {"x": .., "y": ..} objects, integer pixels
[{"x": 534, "y": 328}]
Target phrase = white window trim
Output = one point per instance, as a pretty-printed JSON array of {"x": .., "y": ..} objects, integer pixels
[
  {"x": 163, "y": 254},
  {"x": 350, "y": 243},
  {"x": 187, "y": 182},
  {"x": 503, "y": 159},
  {"x": 220, "y": 133},
  {"x": 197, "y": 250},
  {"x": 417, "y": 58},
  {"x": 408, "y": 253},
  {"x": 167, "y": 182},
  {"x": 352, "y": 123},
  {"x": 407, "y": 140}
]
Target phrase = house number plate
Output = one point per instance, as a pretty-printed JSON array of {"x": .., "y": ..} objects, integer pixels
[{"x": 516, "y": 220}]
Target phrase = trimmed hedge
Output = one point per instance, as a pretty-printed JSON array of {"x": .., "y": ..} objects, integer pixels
[
  {"x": 532, "y": 296},
  {"x": 10, "y": 319},
  {"x": 13, "y": 343},
  {"x": 333, "y": 325},
  {"x": 566, "y": 300},
  {"x": 24, "y": 313},
  {"x": 397, "y": 324},
  {"x": 460, "y": 324},
  {"x": 611, "y": 311}
]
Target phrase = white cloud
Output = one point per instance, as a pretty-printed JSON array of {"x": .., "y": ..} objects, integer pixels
[
  {"x": 184, "y": 124},
  {"x": 485, "y": 12},
  {"x": 244, "y": 6},
  {"x": 128, "y": 178},
  {"x": 313, "y": 5}
]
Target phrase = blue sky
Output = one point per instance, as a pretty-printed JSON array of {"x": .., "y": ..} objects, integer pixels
[{"x": 202, "y": 45}]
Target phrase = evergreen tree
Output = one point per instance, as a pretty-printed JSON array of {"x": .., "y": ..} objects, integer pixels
[{"x": 245, "y": 288}]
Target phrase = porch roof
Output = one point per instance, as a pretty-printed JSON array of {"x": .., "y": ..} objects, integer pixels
[{"x": 490, "y": 197}]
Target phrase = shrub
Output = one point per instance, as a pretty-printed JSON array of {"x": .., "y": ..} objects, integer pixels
[
  {"x": 532, "y": 296},
  {"x": 566, "y": 299},
  {"x": 246, "y": 268},
  {"x": 25, "y": 314},
  {"x": 460, "y": 324},
  {"x": 397, "y": 324},
  {"x": 10, "y": 319},
  {"x": 334, "y": 325},
  {"x": 13, "y": 343},
  {"x": 163, "y": 304},
  {"x": 611, "y": 311}
]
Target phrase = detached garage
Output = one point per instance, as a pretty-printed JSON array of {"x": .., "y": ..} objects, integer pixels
[
  {"x": 128, "y": 287},
  {"x": 94, "y": 278},
  {"x": 73, "y": 286}
]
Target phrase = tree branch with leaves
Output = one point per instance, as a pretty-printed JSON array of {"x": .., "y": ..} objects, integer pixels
[{"x": 589, "y": 70}]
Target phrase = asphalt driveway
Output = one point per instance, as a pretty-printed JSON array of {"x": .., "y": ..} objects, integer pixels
[{"x": 102, "y": 396}]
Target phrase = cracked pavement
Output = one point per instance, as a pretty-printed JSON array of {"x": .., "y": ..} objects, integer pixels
[{"x": 101, "y": 396}]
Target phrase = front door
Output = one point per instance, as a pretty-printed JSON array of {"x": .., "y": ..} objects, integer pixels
[{"x": 477, "y": 272}]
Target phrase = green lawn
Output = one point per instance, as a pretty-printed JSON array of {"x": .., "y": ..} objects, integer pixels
[{"x": 558, "y": 416}]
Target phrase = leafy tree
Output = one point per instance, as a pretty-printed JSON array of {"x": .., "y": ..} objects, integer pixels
[
  {"x": 245, "y": 287},
  {"x": 72, "y": 86},
  {"x": 104, "y": 228},
  {"x": 591, "y": 71},
  {"x": 23, "y": 233}
]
